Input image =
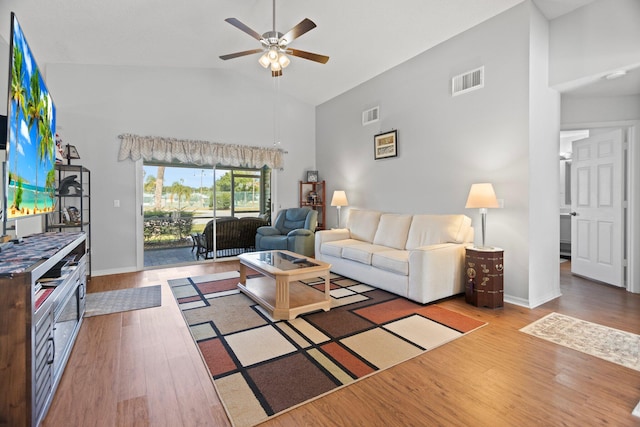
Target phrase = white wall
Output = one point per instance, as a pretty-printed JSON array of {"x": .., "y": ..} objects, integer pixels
[
  {"x": 544, "y": 178},
  {"x": 577, "y": 109},
  {"x": 445, "y": 143},
  {"x": 593, "y": 41},
  {"x": 97, "y": 103}
]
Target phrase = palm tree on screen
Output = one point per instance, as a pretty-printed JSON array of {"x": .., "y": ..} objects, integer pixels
[
  {"x": 47, "y": 143},
  {"x": 35, "y": 109},
  {"x": 18, "y": 95}
]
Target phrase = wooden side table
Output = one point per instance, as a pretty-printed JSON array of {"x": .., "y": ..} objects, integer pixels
[{"x": 484, "y": 269}]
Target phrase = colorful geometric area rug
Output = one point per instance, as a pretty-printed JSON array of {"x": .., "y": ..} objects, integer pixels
[
  {"x": 261, "y": 366},
  {"x": 597, "y": 340}
]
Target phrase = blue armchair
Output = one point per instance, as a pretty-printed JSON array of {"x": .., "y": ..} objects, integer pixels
[{"x": 293, "y": 230}]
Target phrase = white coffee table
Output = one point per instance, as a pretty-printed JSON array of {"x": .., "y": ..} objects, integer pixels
[{"x": 278, "y": 289}]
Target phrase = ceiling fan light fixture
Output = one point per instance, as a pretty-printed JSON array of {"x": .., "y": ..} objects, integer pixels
[
  {"x": 284, "y": 60},
  {"x": 273, "y": 54},
  {"x": 274, "y": 45},
  {"x": 264, "y": 60}
]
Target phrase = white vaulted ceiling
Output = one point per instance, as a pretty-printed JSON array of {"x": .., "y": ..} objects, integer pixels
[{"x": 362, "y": 37}]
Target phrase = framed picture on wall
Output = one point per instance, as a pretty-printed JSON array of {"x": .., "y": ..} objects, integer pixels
[
  {"x": 312, "y": 176},
  {"x": 385, "y": 145}
]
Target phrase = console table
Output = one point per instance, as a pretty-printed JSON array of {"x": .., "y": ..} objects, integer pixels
[{"x": 42, "y": 297}]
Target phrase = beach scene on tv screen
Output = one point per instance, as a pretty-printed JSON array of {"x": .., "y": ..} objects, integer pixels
[{"x": 31, "y": 127}]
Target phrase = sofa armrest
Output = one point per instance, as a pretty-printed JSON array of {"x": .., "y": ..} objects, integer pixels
[
  {"x": 300, "y": 232},
  {"x": 267, "y": 230},
  {"x": 435, "y": 271},
  {"x": 324, "y": 236}
]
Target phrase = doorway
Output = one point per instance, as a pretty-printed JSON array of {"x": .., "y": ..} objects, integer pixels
[{"x": 627, "y": 215}]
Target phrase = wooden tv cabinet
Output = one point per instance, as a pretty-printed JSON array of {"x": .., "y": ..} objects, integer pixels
[{"x": 38, "y": 328}]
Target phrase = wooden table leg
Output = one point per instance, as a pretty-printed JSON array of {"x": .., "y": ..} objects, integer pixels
[
  {"x": 243, "y": 274},
  {"x": 282, "y": 292},
  {"x": 327, "y": 288}
]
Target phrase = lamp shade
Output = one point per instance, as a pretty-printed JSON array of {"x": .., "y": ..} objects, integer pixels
[
  {"x": 339, "y": 198},
  {"x": 482, "y": 196}
]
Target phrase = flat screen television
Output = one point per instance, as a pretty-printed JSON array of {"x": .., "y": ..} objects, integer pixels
[{"x": 31, "y": 128}]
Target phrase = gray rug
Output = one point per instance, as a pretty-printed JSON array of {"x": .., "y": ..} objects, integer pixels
[
  {"x": 123, "y": 300},
  {"x": 597, "y": 340}
]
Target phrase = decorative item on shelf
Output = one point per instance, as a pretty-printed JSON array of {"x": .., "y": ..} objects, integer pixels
[
  {"x": 312, "y": 198},
  {"x": 74, "y": 215},
  {"x": 312, "y": 176},
  {"x": 385, "y": 145},
  {"x": 339, "y": 200},
  {"x": 67, "y": 183},
  {"x": 70, "y": 152},
  {"x": 482, "y": 196},
  {"x": 60, "y": 156}
]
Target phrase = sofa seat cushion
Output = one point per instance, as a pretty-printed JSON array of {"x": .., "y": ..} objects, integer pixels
[
  {"x": 334, "y": 248},
  {"x": 393, "y": 261},
  {"x": 362, "y": 252}
]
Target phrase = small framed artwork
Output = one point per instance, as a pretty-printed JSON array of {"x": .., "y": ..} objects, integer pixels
[
  {"x": 74, "y": 215},
  {"x": 385, "y": 145},
  {"x": 312, "y": 176}
]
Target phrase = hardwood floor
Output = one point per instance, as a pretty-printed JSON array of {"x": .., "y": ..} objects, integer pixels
[{"x": 141, "y": 368}]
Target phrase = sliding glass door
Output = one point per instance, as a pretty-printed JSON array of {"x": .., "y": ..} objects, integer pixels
[{"x": 180, "y": 200}]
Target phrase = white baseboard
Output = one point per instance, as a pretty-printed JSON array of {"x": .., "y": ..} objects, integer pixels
[
  {"x": 113, "y": 271},
  {"x": 523, "y": 302}
]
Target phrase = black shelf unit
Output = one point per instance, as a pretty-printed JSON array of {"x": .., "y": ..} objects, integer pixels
[{"x": 62, "y": 219}]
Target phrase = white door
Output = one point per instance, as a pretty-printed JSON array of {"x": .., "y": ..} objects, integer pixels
[{"x": 597, "y": 208}]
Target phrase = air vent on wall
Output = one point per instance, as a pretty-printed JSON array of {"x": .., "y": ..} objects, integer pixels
[
  {"x": 370, "y": 116},
  {"x": 466, "y": 82}
]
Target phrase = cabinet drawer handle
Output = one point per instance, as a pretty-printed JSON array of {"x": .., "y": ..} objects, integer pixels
[{"x": 53, "y": 350}]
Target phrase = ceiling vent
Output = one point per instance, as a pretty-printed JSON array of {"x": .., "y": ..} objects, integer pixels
[
  {"x": 467, "y": 82},
  {"x": 370, "y": 116}
]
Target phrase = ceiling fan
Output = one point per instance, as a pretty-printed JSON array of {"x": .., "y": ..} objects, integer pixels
[{"x": 275, "y": 45}]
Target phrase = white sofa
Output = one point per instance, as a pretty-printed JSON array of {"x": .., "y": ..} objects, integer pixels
[{"x": 420, "y": 257}]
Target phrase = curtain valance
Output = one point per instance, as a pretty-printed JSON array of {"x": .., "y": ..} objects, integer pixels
[{"x": 172, "y": 150}]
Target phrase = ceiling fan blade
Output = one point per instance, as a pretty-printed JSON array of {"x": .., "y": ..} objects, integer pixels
[
  {"x": 238, "y": 54},
  {"x": 304, "y": 26},
  {"x": 239, "y": 25},
  {"x": 308, "y": 55}
]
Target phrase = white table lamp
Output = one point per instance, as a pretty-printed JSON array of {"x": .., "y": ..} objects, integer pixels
[
  {"x": 339, "y": 200},
  {"x": 482, "y": 196}
]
